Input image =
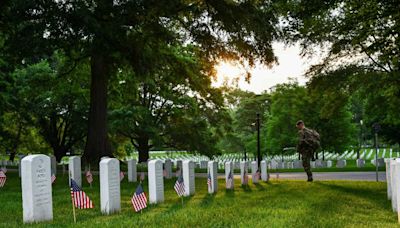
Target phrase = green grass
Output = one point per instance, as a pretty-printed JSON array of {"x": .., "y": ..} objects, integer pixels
[{"x": 273, "y": 204}]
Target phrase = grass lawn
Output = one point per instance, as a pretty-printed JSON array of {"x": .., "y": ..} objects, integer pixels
[{"x": 274, "y": 204}]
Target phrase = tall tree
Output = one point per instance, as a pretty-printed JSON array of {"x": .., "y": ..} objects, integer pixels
[{"x": 113, "y": 32}]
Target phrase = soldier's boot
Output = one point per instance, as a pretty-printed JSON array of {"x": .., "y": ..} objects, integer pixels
[{"x": 310, "y": 178}]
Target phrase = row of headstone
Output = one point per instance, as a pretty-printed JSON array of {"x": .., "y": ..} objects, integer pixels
[{"x": 36, "y": 173}]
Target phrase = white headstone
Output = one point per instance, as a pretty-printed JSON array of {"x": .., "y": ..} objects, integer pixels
[
  {"x": 168, "y": 168},
  {"x": 213, "y": 171},
  {"x": 312, "y": 164},
  {"x": 298, "y": 164},
  {"x": 110, "y": 192},
  {"x": 360, "y": 163},
  {"x": 37, "y": 202},
  {"x": 388, "y": 179},
  {"x": 53, "y": 164},
  {"x": 254, "y": 174},
  {"x": 274, "y": 164},
  {"x": 329, "y": 164},
  {"x": 341, "y": 163},
  {"x": 156, "y": 181},
  {"x": 203, "y": 164},
  {"x": 394, "y": 183},
  {"x": 75, "y": 172},
  {"x": 319, "y": 163},
  {"x": 188, "y": 177},
  {"x": 229, "y": 169},
  {"x": 264, "y": 172},
  {"x": 243, "y": 173},
  {"x": 397, "y": 184},
  {"x": 132, "y": 171}
]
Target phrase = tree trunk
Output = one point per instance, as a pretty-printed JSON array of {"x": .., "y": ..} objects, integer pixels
[
  {"x": 97, "y": 144},
  {"x": 143, "y": 148},
  {"x": 16, "y": 143},
  {"x": 323, "y": 155},
  {"x": 60, "y": 152}
]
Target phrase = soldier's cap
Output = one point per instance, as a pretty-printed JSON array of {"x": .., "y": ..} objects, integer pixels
[{"x": 299, "y": 122}]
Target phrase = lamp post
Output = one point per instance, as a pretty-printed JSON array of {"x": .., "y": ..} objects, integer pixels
[
  {"x": 376, "y": 128},
  {"x": 258, "y": 140}
]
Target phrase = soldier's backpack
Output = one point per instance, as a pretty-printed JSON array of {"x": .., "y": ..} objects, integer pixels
[{"x": 312, "y": 138}]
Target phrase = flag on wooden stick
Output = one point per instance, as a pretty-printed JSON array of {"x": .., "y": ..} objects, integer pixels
[
  {"x": 3, "y": 179},
  {"x": 179, "y": 186},
  {"x": 53, "y": 178},
  {"x": 121, "y": 176},
  {"x": 89, "y": 177}
]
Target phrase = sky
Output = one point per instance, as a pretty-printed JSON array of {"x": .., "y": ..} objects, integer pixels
[{"x": 291, "y": 65}]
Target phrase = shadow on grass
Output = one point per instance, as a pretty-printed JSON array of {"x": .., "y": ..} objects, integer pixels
[
  {"x": 259, "y": 186},
  {"x": 246, "y": 188},
  {"x": 230, "y": 193},
  {"x": 207, "y": 200},
  {"x": 367, "y": 194}
]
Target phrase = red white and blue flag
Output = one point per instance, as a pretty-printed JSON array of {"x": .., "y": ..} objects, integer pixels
[
  {"x": 179, "y": 186},
  {"x": 3, "y": 179},
  {"x": 209, "y": 180},
  {"x": 89, "y": 177},
  {"x": 4, "y": 169},
  {"x": 121, "y": 176},
  {"x": 53, "y": 178},
  {"x": 79, "y": 198},
  {"x": 229, "y": 181},
  {"x": 139, "y": 200}
]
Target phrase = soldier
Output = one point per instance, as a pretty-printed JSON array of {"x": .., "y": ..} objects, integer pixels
[{"x": 308, "y": 139}]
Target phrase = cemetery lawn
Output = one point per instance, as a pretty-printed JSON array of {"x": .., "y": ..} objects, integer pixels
[{"x": 273, "y": 204}]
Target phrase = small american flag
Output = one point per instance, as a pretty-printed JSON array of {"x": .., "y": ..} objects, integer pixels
[
  {"x": 179, "y": 186},
  {"x": 89, "y": 177},
  {"x": 229, "y": 181},
  {"x": 121, "y": 176},
  {"x": 139, "y": 200},
  {"x": 164, "y": 172},
  {"x": 245, "y": 177},
  {"x": 79, "y": 198},
  {"x": 53, "y": 178},
  {"x": 142, "y": 176},
  {"x": 4, "y": 169},
  {"x": 209, "y": 181},
  {"x": 3, "y": 179}
]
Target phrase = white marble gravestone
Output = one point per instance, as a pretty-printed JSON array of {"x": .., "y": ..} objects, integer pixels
[
  {"x": 110, "y": 192},
  {"x": 168, "y": 168},
  {"x": 213, "y": 171},
  {"x": 264, "y": 171},
  {"x": 188, "y": 177},
  {"x": 396, "y": 185},
  {"x": 388, "y": 179},
  {"x": 298, "y": 164},
  {"x": 329, "y": 164},
  {"x": 203, "y": 164},
  {"x": 37, "y": 202},
  {"x": 254, "y": 175},
  {"x": 319, "y": 163},
  {"x": 393, "y": 181},
  {"x": 360, "y": 163},
  {"x": 74, "y": 167},
  {"x": 156, "y": 181},
  {"x": 341, "y": 163},
  {"x": 312, "y": 164},
  {"x": 53, "y": 165},
  {"x": 229, "y": 168},
  {"x": 243, "y": 173},
  {"x": 132, "y": 171}
]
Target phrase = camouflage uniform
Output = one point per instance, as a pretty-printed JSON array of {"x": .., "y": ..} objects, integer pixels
[{"x": 305, "y": 150}]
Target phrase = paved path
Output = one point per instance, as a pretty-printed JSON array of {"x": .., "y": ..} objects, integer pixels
[{"x": 352, "y": 176}]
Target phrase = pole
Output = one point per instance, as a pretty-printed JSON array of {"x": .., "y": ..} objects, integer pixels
[
  {"x": 376, "y": 155},
  {"x": 72, "y": 199},
  {"x": 258, "y": 140}
]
